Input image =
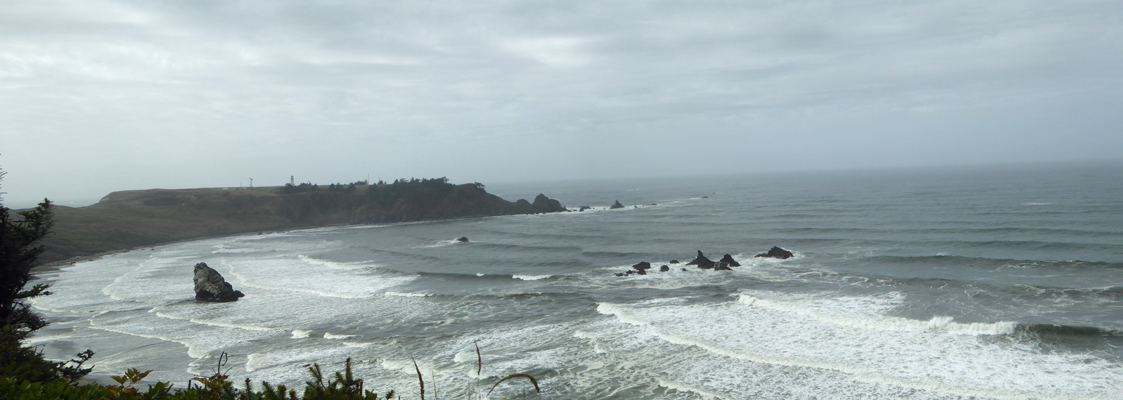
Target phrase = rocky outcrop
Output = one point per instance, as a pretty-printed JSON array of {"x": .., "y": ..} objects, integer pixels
[
  {"x": 642, "y": 266},
  {"x": 664, "y": 268},
  {"x": 616, "y": 205},
  {"x": 211, "y": 287},
  {"x": 776, "y": 252},
  {"x": 728, "y": 260},
  {"x": 701, "y": 261},
  {"x": 124, "y": 220},
  {"x": 463, "y": 239},
  {"x": 545, "y": 204},
  {"x": 722, "y": 267}
]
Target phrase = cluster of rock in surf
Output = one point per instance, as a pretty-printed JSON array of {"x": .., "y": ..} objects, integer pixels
[
  {"x": 725, "y": 264},
  {"x": 614, "y": 206}
]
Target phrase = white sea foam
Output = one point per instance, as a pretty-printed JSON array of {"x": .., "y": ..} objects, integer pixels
[
  {"x": 530, "y": 277},
  {"x": 325, "y": 278},
  {"x": 334, "y": 264},
  {"x": 850, "y": 335},
  {"x": 442, "y": 243},
  {"x": 687, "y": 388},
  {"x": 329, "y": 335},
  {"x": 300, "y": 334},
  {"x": 397, "y": 294},
  {"x": 212, "y": 323},
  {"x": 864, "y": 313}
]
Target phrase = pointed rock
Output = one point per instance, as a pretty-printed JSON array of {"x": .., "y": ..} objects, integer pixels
[
  {"x": 616, "y": 205},
  {"x": 701, "y": 261},
  {"x": 728, "y": 259},
  {"x": 211, "y": 287}
]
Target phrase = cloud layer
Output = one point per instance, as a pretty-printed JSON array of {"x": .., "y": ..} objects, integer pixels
[{"x": 105, "y": 95}]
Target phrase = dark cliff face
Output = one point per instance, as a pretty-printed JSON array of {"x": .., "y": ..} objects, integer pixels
[{"x": 125, "y": 220}]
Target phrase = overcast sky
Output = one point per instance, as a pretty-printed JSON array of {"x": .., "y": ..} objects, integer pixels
[{"x": 103, "y": 95}]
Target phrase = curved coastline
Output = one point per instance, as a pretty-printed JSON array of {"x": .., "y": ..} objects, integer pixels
[{"x": 129, "y": 220}]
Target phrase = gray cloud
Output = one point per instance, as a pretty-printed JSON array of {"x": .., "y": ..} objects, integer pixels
[{"x": 97, "y": 96}]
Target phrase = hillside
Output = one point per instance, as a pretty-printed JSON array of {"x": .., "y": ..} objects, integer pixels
[{"x": 128, "y": 219}]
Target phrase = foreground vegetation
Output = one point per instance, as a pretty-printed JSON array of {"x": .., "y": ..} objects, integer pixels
[{"x": 25, "y": 375}]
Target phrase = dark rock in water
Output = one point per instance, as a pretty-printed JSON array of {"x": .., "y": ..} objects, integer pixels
[
  {"x": 583, "y": 208},
  {"x": 684, "y": 270},
  {"x": 674, "y": 261},
  {"x": 664, "y": 268},
  {"x": 777, "y": 252},
  {"x": 616, "y": 205},
  {"x": 545, "y": 204},
  {"x": 462, "y": 239},
  {"x": 631, "y": 271},
  {"x": 642, "y": 266},
  {"x": 728, "y": 259},
  {"x": 722, "y": 267},
  {"x": 621, "y": 274},
  {"x": 642, "y": 272},
  {"x": 701, "y": 261},
  {"x": 210, "y": 287}
]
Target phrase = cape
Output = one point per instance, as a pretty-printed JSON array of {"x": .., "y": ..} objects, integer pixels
[{"x": 130, "y": 219}]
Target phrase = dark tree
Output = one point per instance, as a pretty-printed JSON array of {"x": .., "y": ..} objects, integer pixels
[{"x": 19, "y": 250}]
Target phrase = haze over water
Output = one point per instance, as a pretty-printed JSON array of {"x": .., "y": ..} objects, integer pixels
[{"x": 997, "y": 283}]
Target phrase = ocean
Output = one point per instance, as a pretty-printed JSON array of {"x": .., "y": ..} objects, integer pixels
[{"x": 984, "y": 283}]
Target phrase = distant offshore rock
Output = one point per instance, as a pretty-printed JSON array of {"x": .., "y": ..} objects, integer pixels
[
  {"x": 463, "y": 239},
  {"x": 211, "y": 287},
  {"x": 616, "y": 205},
  {"x": 776, "y": 252},
  {"x": 545, "y": 204},
  {"x": 701, "y": 261}
]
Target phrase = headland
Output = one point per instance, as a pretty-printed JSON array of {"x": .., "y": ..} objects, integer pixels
[{"x": 137, "y": 218}]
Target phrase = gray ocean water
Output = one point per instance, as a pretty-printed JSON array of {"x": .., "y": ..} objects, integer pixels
[{"x": 996, "y": 282}]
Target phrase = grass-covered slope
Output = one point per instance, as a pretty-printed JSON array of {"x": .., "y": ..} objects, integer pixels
[{"x": 130, "y": 219}]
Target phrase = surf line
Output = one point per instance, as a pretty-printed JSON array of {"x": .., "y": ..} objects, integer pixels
[{"x": 858, "y": 374}]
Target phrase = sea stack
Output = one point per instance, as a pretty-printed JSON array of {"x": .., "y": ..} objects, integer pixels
[
  {"x": 701, "y": 261},
  {"x": 211, "y": 287},
  {"x": 545, "y": 204},
  {"x": 616, "y": 205},
  {"x": 776, "y": 252}
]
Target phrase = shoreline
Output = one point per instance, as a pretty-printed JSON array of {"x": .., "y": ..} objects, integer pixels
[
  {"x": 57, "y": 265},
  {"x": 129, "y": 220}
]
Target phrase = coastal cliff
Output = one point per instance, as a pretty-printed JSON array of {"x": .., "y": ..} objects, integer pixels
[{"x": 129, "y": 219}]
